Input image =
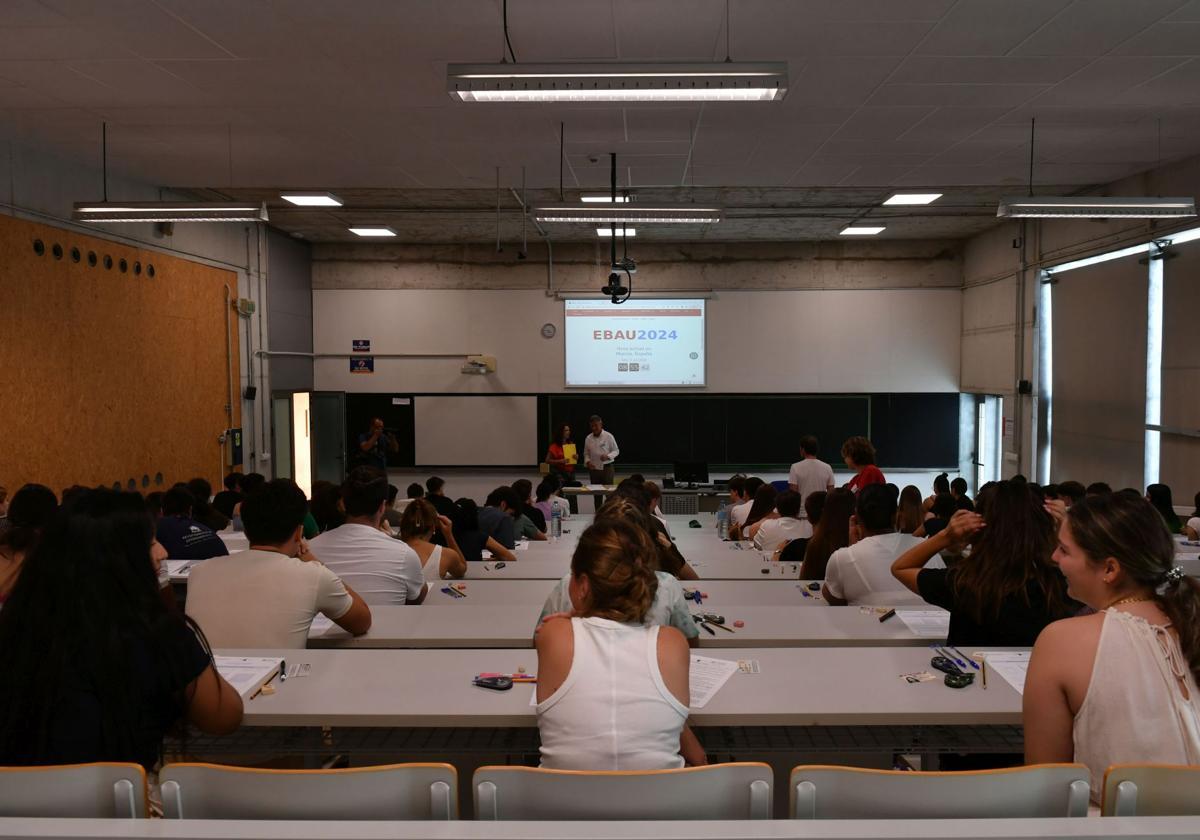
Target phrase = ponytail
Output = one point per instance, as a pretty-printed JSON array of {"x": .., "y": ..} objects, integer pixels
[
  {"x": 1180, "y": 600},
  {"x": 419, "y": 517}
]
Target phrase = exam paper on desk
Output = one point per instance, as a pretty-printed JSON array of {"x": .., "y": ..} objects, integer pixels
[
  {"x": 706, "y": 676},
  {"x": 247, "y": 674},
  {"x": 1009, "y": 664},
  {"x": 928, "y": 624}
]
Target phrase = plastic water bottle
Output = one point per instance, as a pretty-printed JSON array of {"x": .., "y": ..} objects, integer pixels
[
  {"x": 723, "y": 522},
  {"x": 555, "y": 523}
]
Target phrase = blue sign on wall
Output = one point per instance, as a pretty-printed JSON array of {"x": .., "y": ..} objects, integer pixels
[{"x": 362, "y": 364}]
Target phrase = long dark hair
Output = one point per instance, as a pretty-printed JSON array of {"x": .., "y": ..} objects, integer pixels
[
  {"x": 558, "y": 433},
  {"x": 1007, "y": 555},
  {"x": 31, "y": 510},
  {"x": 909, "y": 514},
  {"x": 1160, "y": 497},
  {"x": 86, "y": 598},
  {"x": 764, "y": 503},
  {"x": 1133, "y": 533},
  {"x": 829, "y": 534}
]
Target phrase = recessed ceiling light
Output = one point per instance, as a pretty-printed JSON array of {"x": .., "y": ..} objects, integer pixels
[
  {"x": 620, "y": 231},
  {"x": 862, "y": 230},
  {"x": 913, "y": 198},
  {"x": 604, "y": 199},
  {"x": 372, "y": 231},
  {"x": 312, "y": 199},
  {"x": 618, "y": 82}
]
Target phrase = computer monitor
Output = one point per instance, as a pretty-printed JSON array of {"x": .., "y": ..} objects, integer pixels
[{"x": 691, "y": 472}]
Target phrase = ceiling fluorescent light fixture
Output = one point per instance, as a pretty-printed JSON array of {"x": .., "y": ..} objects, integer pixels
[
  {"x": 168, "y": 211},
  {"x": 630, "y": 232},
  {"x": 619, "y": 82},
  {"x": 372, "y": 230},
  {"x": 682, "y": 215},
  {"x": 312, "y": 199},
  {"x": 862, "y": 230},
  {"x": 913, "y": 198},
  {"x": 1095, "y": 207},
  {"x": 603, "y": 199}
]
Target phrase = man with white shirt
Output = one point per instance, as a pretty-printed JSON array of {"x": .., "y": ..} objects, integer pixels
[
  {"x": 810, "y": 474},
  {"x": 775, "y": 531},
  {"x": 599, "y": 451},
  {"x": 862, "y": 573},
  {"x": 385, "y": 570},
  {"x": 268, "y": 595},
  {"x": 743, "y": 499}
]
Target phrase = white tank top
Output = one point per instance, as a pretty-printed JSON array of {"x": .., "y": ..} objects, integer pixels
[
  {"x": 432, "y": 569},
  {"x": 613, "y": 711},
  {"x": 1142, "y": 704}
]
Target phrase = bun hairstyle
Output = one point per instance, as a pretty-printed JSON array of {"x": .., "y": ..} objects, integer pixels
[
  {"x": 617, "y": 558},
  {"x": 1132, "y": 532},
  {"x": 941, "y": 483},
  {"x": 418, "y": 519}
]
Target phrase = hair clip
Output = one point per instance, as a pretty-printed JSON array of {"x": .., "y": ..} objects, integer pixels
[{"x": 1174, "y": 574}]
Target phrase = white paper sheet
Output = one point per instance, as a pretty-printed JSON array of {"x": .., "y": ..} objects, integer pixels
[
  {"x": 928, "y": 624},
  {"x": 595, "y": 487},
  {"x": 247, "y": 674},
  {"x": 176, "y": 568},
  {"x": 1009, "y": 664},
  {"x": 320, "y": 626},
  {"x": 706, "y": 676}
]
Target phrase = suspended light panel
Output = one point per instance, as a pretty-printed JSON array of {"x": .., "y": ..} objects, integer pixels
[
  {"x": 1095, "y": 207},
  {"x": 682, "y": 215},
  {"x": 619, "y": 82},
  {"x": 109, "y": 212}
]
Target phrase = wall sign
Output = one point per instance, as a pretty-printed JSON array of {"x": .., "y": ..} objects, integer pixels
[
  {"x": 362, "y": 364},
  {"x": 361, "y": 345}
]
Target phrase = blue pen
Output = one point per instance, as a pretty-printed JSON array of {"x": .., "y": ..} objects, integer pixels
[
  {"x": 970, "y": 661},
  {"x": 952, "y": 658}
]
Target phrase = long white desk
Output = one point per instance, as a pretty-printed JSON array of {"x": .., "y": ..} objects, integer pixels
[
  {"x": 795, "y": 687},
  {"x": 512, "y": 627},
  {"x": 719, "y": 594},
  {"x": 731, "y": 565}
]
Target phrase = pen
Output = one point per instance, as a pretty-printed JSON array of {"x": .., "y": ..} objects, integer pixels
[
  {"x": 711, "y": 631},
  {"x": 970, "y": 661},
  {"x": 886, "y": 616},
  {"x": 282, "y": 670},
  {"x": 984, "y": 668}
]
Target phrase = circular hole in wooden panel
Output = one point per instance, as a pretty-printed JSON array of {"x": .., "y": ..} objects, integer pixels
[
  {"x": 92, "y": 258},
  {"x": 39, "y": 247},
  {"x": 149, "y": 269},
  {"x": 145, "y": 480},
  {"x": 57, "y": 250},
  {"x": 123, "y": 266},
  {"x": 117, "y": 486},
  {"x": 137, "y": 268},
  {"x": 158, "y": 479},
  {"x": 107, "y": 262},
  {"x": 75, "y": 255}
]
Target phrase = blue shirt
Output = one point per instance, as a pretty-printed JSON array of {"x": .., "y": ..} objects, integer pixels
[
  {"x": 377, "y": 455},
  {"x": 187, "y": 539},
  {"x": 498, "y": 525}
]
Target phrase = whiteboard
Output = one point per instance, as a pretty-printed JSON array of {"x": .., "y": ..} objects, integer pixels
[{"x": 475, "y": 431}]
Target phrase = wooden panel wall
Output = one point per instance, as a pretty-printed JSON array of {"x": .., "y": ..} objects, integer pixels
[{"x": 109, "y": 375}]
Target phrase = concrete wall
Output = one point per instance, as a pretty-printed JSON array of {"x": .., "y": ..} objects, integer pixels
[
  {"x": 289, "y": 293},
  {"x": 1000, "y": 279}
]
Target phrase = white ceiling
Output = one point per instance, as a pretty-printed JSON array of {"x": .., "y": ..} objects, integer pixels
[{"x": 345, "y": 95}]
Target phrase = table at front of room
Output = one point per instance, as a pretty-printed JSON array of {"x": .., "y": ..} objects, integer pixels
[
  {"x": 460, "y": 626},
  {"x": 420, "y": 703}
]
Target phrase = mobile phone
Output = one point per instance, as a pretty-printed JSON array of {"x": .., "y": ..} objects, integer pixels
[
  {"x": 499, "y": 564},
  {"x": 494, "y": 683}
]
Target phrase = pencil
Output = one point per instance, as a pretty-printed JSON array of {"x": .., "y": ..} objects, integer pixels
[{"x": 983, "y": 671}]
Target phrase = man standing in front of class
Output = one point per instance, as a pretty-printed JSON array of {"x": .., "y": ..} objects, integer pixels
[{"x": 599, "y": 451}]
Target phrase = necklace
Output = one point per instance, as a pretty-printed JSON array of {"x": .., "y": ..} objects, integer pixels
[{"x": 1132, "y": 599}]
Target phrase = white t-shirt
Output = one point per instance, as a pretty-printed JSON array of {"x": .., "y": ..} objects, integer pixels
[
  {"x": 774, "y": 532},
  {"x": 262, "y": 599},
  {"x": 1194, "y": 524},
  {"x": 738, "y": 513},
  {"x": 862, "y": 573},
  {"x": 382, "y": 569},
  {"x": 810, "y": 476}
]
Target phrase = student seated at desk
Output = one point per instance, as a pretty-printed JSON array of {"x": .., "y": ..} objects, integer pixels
[
  {"x": 1192, "y": 529},
  {"x": 830, "y": 533},
  {"x": 227, "y": 499},
  {"x": 762, "y": 506},
  {"x": 740, "y": 499},
  {"x": 605, "y": 654},
  {"x": 471, "y": 538},
  {"x": 417, "y": 526},
  {"x": 910, "y": 513},
  {"x": 861, "y": 573},
  {"x": 669, "y": 606},
  {"x": 31, "y": 511},
  {"x": 939, "y": 514},
  {"x": 530, "y": 522},
  {"x": 498, "y": 516},
  {"x": 268, "y": 595},
  {"x": 1006, "y": 590},
  {"x": 382, "y": 569},
  {"x": 670, "y": 558},
  {"x": 182, "y": 536},
  {"x": 93, "y": 666},
  {"x": 203, "y": 510},
  {"x": 785, "y": 525},
  {"x": 1120, "y": 685},
  {"x": 1159, "y": 496}
]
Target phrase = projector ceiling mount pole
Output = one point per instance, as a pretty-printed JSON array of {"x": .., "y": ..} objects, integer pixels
[{"x": 613, "y": 239}]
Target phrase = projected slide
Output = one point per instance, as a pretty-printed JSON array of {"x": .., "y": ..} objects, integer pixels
[{"x": 637, "y": 343}]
